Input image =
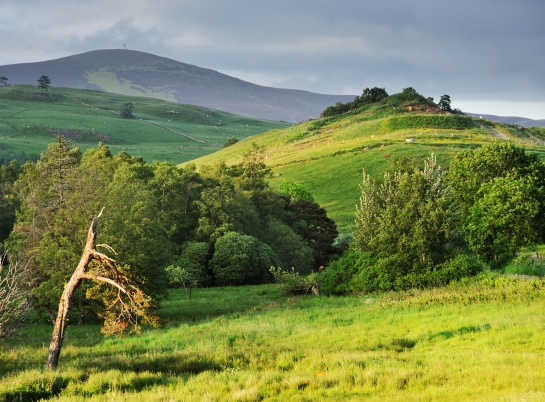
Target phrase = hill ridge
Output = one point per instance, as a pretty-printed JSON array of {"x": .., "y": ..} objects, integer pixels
[{"x": 133, "y": 72}]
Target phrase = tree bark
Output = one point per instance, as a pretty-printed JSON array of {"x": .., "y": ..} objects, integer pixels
[{"x": 65, "y": 303}]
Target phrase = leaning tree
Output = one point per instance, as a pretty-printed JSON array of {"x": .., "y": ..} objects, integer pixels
[{"x": 125, "y": 304}]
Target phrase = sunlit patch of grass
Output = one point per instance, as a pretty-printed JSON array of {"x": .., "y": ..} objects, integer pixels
[{"x": 481, "y": 339}]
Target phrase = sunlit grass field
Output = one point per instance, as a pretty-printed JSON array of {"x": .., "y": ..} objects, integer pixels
[{"x": 479, "y": 340}]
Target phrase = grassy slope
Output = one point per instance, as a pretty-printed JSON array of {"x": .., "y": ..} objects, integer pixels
[
  {"x": 479, "y": 341},
  {"x": 29, "y": 120},
  {"x": 328, "y": 156}
]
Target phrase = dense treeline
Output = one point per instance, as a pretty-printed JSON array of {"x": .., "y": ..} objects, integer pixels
[
  {"x": 422, "y": 227},
  {"x": 167, "y": 225},
  {"x": 418, "y": 226}
]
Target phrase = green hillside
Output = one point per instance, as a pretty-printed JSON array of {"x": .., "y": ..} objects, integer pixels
[
  {"x": 30, "y": 119},
  {"x": 327, "y": 155}
]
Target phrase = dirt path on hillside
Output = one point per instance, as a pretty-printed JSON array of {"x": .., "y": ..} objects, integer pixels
[
  {"x": 494, "y": 132},
  {"x": 144, "y": 120}
]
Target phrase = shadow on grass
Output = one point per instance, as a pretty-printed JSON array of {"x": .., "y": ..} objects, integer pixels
[
  {"x": 397, "y": 345},
  {"x": 140, "y": 361},
  {"x": 460, "y": 331}
]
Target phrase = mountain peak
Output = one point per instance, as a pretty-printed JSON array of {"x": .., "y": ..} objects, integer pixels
[{"x": 132, "y": 72}]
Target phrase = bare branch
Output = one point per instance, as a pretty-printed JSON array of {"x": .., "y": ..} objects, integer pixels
[{"x": 13, "y": 296}]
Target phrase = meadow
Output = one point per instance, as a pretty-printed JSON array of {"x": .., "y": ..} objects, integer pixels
[
  {"x": 481, "y": 339},
  {"x": 31, "y": 119}
]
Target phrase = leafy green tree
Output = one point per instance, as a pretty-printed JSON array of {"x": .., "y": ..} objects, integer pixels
[
  {"x": 506, "y": 217},
  {"x": 373, "y": 95},
  {"x": 444, "y": 103},
  {"x": 133, "y": 228},
  {"x": 410, "y": 223},
  {"x": 500, "y": 190},
  {"x": 58, "y": 196},
  {"x": 217, "y": 210},
  {"x": 126, "y": 110},
  {"x": 185, "y": 273},
  {"x": 3, "y": 80},
  {"x": 254, "y": 171},
  {"x": 240, "y": 259},
  {"x": 295, "y": 191},
  {"x": 176, "y": 191},
  {"x": 409, "y": 93},
  {"x": 44, "y": 82},
  {"x": 471, "y": 169}
]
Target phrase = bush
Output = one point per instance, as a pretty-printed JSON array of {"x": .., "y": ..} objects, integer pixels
[
  {"x": 292, "y": 284},
  {"x": 383, "y": 275},
  {"x": 526, "y": 265},
  {"x": 336, "y": 278}
]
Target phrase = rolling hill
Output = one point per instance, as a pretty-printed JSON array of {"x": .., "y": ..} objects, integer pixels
[
  {"x": 164, "y": 131},
  {"x": 520, "y": 121},
  {"x": 134, "y": 73},
  {"x": 327, "y": 155}
]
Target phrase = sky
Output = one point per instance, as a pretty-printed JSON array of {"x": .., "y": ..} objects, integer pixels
[{"x": 487, "y": 55}]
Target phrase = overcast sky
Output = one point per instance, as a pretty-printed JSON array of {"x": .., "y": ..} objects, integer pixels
[{"x": 488, "y": 55}]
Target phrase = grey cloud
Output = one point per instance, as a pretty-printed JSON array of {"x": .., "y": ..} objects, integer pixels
[{"x": 485, "y": 49}]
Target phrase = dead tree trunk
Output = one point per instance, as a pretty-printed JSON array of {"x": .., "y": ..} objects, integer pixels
[
  {"x": 66, "y": 299},
  {"x": 125, "y": 308}
]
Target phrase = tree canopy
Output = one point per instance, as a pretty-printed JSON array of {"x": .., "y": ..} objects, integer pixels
[{"x": 500, "y": 189}]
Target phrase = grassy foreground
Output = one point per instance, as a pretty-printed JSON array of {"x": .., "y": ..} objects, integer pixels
[{"x": 481, "y": 340}]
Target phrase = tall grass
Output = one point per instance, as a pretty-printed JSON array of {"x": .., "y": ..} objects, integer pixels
[{"x": 480, "y": 339}]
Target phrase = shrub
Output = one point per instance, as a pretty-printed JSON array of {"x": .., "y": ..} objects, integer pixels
[
  {"x": 336, "y": 278},
  {"x": 383, "y": 274},
  {"x": 526, "y": 265},
  {"x": 292, "y": 284}
]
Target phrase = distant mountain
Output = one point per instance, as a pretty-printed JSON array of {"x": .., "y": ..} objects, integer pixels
[
  {"x": 131, "y": 72},
  {"x": 520, "y": 121}
]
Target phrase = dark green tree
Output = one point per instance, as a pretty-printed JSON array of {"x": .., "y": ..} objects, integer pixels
[
  {"x": 316, "y": 228},
  {"x": 126, "y": 110},
  {"x": 292, "y": 250},
  {"x": 3, "y": 80},
  {"x": 444, "y": 103},
  {"x": 44, "y": 82}
]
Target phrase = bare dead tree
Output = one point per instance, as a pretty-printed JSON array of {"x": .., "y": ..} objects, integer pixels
[
  {"x": 13, "y": 295},
  {"x": 124, "y": 303}
]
